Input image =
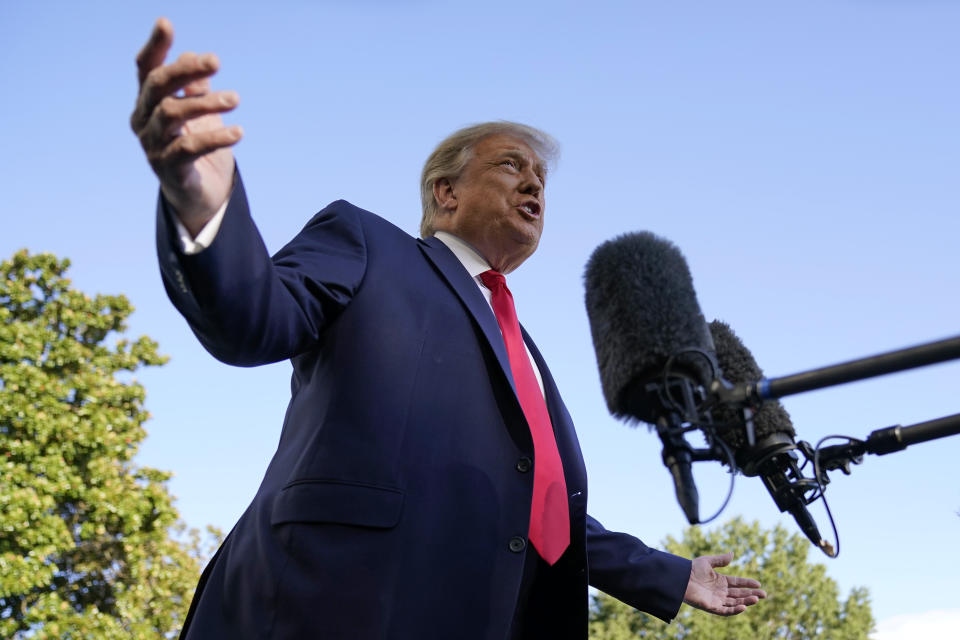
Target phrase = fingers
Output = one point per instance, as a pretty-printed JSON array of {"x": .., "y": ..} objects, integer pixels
[
  {"x": 732, "y": 611},
  {"x": 186, "y": 148},
  {"x": 167, "y": 80},
  {"x": 736, "y": 581},
  {"x": 172, "y": 113},
  {"x": 738, "y": 605},
  {"x": 733, "y": 606},
  {"x": 156, "y": 48},
  {"x": 737, "y": 601},
  {"x": 197, "y": 87},
  {"x": 743, "y": 598},
  {"x": 185, "y": 117},
  {"x": 189, "y": 67},
  {"x": 746, "y": 593}
]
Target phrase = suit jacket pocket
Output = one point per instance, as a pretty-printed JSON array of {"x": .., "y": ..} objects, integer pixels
[{"x": 337, "y": 502}]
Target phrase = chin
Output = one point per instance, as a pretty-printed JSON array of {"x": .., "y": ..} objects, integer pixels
[{"x": 518, "y": 258}]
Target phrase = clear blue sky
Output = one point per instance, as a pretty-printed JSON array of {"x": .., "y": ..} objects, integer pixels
[{"x": 803, "y": 155}]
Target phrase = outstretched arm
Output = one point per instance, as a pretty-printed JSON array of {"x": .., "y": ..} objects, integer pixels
[
  {"x": 719, "y": 594},
  {"x": 246, "y": 308},
  {"x": 625, "y": 568}
]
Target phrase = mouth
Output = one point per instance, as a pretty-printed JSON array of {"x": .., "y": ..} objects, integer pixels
[{"x": 530, "y": 209}]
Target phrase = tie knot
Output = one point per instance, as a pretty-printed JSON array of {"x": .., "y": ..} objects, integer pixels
[{"x": 493, "y": 279}]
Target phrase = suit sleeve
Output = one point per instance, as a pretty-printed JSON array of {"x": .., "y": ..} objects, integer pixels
[
  {"x": 647, "y": 579},
  {"x": 248, "y": 308}
]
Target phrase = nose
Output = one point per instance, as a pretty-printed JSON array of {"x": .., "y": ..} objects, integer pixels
[{"x": 531, "y": 184}]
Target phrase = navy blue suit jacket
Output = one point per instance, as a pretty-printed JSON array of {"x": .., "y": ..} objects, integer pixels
[{"x": 394, "y": 506}]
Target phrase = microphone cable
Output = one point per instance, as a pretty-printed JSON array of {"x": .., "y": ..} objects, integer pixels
[
  {"x": 696, "y": 422},
  {"x": 823, "y": 495}
]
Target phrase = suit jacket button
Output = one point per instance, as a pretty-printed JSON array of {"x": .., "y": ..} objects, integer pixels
[
  {"x": 524, "y": 464},
  {"x": 517, "y": 544}
]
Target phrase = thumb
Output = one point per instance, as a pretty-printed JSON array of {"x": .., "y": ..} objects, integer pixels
[{"x": 721, "y": 560}]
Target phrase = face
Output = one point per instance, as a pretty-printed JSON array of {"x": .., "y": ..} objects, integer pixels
[{"x": 497, "y": 203}]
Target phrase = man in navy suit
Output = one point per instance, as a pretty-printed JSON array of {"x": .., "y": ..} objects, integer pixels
[{"x": 402, "y": 498}]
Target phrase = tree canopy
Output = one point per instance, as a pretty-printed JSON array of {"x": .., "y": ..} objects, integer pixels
[
  {"x": 91, "y": 545},
  {"x": 802, "y": 601}
]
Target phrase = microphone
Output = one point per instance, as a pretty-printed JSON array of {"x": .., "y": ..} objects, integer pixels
[
  {"x": 762, "y": 438},
  {"x": 658, "y": 365},
  {"x": 654, "y": 351},
  {"x": 769, "y": 423}
]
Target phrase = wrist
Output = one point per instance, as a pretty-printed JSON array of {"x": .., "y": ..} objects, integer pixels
[{"x": 195, "y": 214}]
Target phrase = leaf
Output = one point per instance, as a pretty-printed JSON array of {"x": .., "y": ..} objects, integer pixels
[{"x": 91, "y": 545}]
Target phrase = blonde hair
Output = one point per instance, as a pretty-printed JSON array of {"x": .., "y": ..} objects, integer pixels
[{"x": 450, "y": 158}]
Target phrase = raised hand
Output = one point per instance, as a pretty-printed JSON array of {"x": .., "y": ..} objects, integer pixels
[
  {"x": 717, "y": 593},
  {"x": 177, "y": 119}
]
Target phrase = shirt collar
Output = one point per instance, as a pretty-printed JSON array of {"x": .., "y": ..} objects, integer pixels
[{"x": 469, "y": 257}]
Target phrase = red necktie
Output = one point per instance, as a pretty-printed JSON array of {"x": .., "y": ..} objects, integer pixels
[{"x": 549, "y": 518}]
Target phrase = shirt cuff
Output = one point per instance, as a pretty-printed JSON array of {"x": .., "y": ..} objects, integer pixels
[{"x": 190, "y": 245}]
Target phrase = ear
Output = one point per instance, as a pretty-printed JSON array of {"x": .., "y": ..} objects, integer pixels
[{"x": 444, "y": 195}]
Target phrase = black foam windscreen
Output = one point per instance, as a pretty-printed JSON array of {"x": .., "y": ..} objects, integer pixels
[
  {"x": 737, "y": 365},
  {"x": 643, "y": 310}
]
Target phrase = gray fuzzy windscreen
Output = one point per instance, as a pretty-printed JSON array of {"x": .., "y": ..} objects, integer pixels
[
  {"x": 738, "y": 365},
  {"x": 642, "y": 310}
]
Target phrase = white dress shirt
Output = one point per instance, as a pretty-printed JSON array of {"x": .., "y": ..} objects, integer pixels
[{"x": 475, "y": 264}]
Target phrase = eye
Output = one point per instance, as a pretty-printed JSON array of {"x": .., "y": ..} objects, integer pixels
[{"x": 510, "y": 162}]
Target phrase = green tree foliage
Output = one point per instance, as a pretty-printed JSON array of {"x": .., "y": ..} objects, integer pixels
[
  {"x": 90, "y": 543},
  {"x": 802, "y": 601}
]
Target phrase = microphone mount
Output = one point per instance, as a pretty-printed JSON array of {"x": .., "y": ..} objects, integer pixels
[
  {"x": 850, "y": 371},
  {"x": 683, "y": 404},
  {"x": 883, "y": 441},
  {"x": 674, "y": 403}
]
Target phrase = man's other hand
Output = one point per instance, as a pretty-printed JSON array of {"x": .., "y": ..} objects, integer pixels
[
  {"x": 720, "y": 594},
  {"x": 177, "y": 119}
]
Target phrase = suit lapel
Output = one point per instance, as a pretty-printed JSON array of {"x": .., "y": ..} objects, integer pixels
[
  {"x": 574, "y": 471},
  {"x": 469, "y": 293}
]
